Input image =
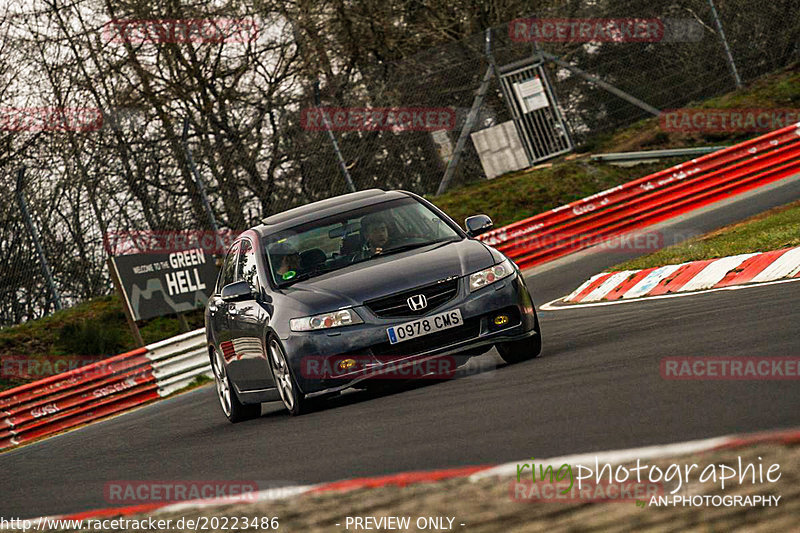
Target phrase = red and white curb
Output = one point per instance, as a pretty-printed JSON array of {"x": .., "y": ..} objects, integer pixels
[
  {"x": 689, "y": 277},
  {"x": 470, "y": 473}
]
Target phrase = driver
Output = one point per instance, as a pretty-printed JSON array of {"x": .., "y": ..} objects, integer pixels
[
  {"x": 376, "y": 234},
  {"x": 285, "y": 260}
]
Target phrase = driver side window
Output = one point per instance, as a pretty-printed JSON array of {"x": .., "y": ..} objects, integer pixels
[
  {"x": 247, "y": 265},
  {"x": 228, "y": 272}
]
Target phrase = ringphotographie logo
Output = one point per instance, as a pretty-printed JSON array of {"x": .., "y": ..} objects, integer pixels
[
  {"x": 50, "y": 119},
  {"x": 646, "y": 484},
  {"x": 378, "y": 118},
  {"x": 138, "y": 492},
  {"x": 159, "y": 31},
  {"x": 727, "y": 120},
  {"x": 730, "y": 368}
]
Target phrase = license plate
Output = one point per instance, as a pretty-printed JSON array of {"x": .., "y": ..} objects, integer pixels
[{"x": 424, "y": 326}]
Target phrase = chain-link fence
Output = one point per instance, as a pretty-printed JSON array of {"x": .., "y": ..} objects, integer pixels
[{"x": 254, "y": 139}]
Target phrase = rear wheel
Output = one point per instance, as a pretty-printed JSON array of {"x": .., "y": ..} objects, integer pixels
[
  {"x": 232, "y": 408},
  {"x": 523, "y": 349},
  {"x": 294, "y": 400}
]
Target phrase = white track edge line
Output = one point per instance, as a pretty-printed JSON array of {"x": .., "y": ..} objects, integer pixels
[{"x": 549, "y": 306}]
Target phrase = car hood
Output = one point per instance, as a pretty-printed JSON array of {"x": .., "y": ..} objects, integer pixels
[{"x": 378, "y": 277}]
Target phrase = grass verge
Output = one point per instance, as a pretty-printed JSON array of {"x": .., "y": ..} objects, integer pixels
[
  {"x": 778, "y": 90},
  {"x": 94, "y": 329},
  {"x": 523, "y": 194},
  {"x": 777, "y": 228}
]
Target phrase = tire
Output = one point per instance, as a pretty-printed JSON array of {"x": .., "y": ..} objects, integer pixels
[
  {"x": 522, "y": 350},
  {"x": 291, "y": 396},
  {"x": 234, "y": 410}
]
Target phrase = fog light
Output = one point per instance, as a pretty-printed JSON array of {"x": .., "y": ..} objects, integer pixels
[
  {"x": 346, "y": 364},
  {"x": 501, "y": 320}
]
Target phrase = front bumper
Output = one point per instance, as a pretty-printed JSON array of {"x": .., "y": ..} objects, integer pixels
[{"x": 314, "y": 356}]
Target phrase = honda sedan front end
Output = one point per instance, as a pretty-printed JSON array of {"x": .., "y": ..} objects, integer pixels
[{"x": 359, "y": 288}]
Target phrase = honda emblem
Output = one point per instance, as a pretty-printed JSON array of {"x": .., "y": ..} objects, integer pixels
[{"x": 417, "y": 302}]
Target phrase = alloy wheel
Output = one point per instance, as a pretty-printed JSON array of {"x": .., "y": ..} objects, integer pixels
[
  {"x": 223, "y": 386},
  {"x": 283, "y": 379}
]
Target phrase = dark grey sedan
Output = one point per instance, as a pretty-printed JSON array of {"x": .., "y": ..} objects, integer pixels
[{"x": 354, "y": 290}]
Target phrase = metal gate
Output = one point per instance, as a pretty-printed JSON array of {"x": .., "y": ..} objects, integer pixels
[{"x": 534, "y": 109}]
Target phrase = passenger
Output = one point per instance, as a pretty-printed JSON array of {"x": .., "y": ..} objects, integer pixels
[{"x": 285, "y": 260}]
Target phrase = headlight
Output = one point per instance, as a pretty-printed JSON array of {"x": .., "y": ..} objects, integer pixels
[
  {"x": 335, "y": 319},
  {"x": 490, "y": 275}
]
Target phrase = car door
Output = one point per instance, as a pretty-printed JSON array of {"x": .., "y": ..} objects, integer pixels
[
  {"x": 218, "y": 309},
  {"x": 250, "y": 368}
]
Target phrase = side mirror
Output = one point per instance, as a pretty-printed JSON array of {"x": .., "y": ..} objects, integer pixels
[
  {"x": 238, "y": 291},
  {"x": 477, "y": 224}
]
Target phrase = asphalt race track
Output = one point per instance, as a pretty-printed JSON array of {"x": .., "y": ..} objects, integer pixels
[{"x": 597, "y": 387}]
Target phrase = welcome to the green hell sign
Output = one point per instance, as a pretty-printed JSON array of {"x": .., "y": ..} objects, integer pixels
[{"x": 185, "y": 281}]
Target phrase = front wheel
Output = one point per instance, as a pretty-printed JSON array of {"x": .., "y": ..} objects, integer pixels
[
  {"x": 523, "y": 349},
  {"x": 232, "y": 408},
  {"x": 294, "y": 400}
]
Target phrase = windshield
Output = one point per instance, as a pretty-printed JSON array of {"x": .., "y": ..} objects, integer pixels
[{"x": 356, "y": 236}]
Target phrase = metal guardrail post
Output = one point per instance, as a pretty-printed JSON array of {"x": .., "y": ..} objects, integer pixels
[
  {"x": 602, "y": 84},
  {"x": 342, "y": 166},
  {"x": 728, "y": 54},
  {"x": 23, "y": 206},
  {"x": 126, "y": 306},
  {"x": 200, "y": 186},
  {"x": 471, "y": 117}
]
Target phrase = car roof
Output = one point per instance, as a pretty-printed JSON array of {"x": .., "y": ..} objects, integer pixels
[{"x": 323, "y": 208}]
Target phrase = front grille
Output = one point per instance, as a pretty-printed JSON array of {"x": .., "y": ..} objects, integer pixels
[
  {"x": 396, "y": 305},
  {"x": 469, "y": 330}
]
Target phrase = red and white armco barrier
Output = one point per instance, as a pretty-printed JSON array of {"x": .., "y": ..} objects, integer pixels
[
  {"x": 650, "y": 199},
  {"x": 94, "y": 391},
  {"x": 691, "y": 276}
]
